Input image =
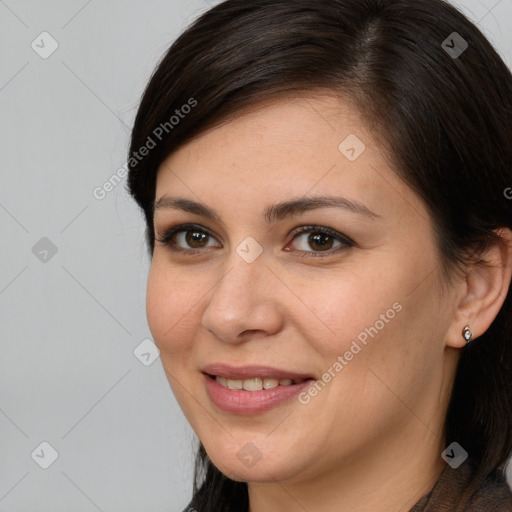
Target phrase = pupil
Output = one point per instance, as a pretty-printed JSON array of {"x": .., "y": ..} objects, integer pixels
[
  {"x": 194, "y": 237},
  {"x": 320, "y": 239}
]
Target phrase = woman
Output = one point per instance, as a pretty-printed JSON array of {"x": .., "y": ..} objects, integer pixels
[{"x": 325, "y": 190}]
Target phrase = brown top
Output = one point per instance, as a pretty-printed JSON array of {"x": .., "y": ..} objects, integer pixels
[{"x": 455, "y": 492}]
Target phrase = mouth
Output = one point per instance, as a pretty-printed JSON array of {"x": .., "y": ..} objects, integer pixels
[{"x": 251, "y": 390}]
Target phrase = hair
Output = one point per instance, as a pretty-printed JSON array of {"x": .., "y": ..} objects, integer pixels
[{"x": 443, "y": 121}]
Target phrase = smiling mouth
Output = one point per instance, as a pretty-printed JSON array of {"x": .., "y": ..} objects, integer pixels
[{"x": 254, "y": 395}]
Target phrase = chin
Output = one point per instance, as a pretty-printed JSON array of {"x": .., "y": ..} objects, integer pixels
[
  {"x": 244, "y": 462},
  {"x": 260, "y": 472}
]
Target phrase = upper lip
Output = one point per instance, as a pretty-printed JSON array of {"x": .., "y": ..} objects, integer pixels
[{"x": 247, "y": 372}]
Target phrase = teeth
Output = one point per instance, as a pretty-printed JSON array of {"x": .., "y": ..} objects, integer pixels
[
  {"x": 256, "y": 384},
  {"x": 270, "y": 383},
  {"x": 222, "y": 381},
  {"x": 235, "y": 384}
]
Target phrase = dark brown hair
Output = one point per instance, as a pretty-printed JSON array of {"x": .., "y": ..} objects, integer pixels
[{"x": 443, "y": 120}]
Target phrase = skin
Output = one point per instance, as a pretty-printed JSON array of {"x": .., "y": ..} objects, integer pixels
[{"x": 372, "y": 438}]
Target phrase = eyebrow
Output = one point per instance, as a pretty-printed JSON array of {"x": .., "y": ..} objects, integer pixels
[{"x": 273, "y": 212}]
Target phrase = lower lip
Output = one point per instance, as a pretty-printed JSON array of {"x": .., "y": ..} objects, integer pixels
[{"x": 251, "y": 402}]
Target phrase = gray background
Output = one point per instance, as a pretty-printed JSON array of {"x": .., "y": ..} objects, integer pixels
[{"x": 70, "y": 321}]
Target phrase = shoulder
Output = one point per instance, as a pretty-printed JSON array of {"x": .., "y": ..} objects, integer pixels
[
  {"x": 466, "y": 490},
  {"x": 494, "y": 495}
]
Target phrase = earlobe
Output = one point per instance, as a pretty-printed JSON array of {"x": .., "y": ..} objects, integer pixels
[{"x": 487, "y": 284}]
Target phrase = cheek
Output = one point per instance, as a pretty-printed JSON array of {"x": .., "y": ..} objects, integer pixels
[
  {"x": 375, "y": 316},
  {"x": 335, "y": 308},
  {"x": 170, "y": 304}
]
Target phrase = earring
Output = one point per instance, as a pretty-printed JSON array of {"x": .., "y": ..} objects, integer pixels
[{"x": 467, "y": 334}]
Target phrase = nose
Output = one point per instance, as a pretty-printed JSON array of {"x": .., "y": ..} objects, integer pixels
[{"x": 244, "y": 303}]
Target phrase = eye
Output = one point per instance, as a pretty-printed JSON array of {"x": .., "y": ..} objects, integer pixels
[
  {"x": 321, "y": 240},
  {"x": 186, "y": 238}
]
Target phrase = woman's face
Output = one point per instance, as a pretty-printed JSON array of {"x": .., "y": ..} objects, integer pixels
[{"x": 357, "y": 308}]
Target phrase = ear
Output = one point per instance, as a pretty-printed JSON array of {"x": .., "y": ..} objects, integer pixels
[{"x": 483, "y": 290}]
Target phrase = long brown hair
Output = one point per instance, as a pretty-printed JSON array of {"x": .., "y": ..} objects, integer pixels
[{"x": 441, "y": 111}]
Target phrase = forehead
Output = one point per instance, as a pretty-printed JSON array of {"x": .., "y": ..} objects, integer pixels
[
  {"x": 291, "y": 147},
  {"x": 274, "y": 128}
]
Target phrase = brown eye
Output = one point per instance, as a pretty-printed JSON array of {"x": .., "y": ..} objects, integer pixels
[
  {"x": 313, "y": 239},
  {"x": 320, "y": 241},
  {"x": 195, "y": 239},
  {"x": 187, "y": 238}
]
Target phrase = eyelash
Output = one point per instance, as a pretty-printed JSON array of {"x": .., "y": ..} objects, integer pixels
[{"x": 166, "y": 239}]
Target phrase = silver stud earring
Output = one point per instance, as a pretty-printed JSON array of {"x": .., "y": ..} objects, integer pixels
[{"x": 467, "y": 334}]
